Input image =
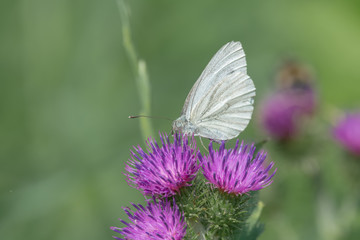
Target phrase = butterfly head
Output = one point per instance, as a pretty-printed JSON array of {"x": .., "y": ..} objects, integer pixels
[
  {"x": 179, "y": 124},
  {"x": 183, "y": 126}
]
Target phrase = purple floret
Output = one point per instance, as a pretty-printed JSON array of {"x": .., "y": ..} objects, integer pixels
[
  {"x": 164, "y": 169},
  {"x": 158, "y": 220},
  {"x": 283, "y": 112},
  {"x": 235, "y": 170},
  {"x": 347, "y": 132}
]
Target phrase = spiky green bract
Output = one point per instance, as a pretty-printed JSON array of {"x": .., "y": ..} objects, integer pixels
[
  {"x": 226, "y": 213},
  {"x": 192, "y": 201},
  {"x": 212, "y": 214}
]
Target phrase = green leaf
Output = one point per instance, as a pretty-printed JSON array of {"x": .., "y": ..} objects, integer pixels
[{"x": 253, "y": 227}]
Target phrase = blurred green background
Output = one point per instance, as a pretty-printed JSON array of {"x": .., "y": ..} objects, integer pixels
[{"x": 67, "y": 89}]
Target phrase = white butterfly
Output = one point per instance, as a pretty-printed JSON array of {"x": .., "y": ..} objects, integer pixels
[{"x": 220, "y": 104}]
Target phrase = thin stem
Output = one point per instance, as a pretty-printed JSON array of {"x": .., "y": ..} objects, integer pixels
[{"x": 140, "y": 72}]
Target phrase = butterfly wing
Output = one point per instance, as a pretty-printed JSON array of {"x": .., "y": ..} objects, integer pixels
[
  {"x": 219, "y": 104},
  {"x": 227, "y": 108},
  {"x": 229, "y": 59}
]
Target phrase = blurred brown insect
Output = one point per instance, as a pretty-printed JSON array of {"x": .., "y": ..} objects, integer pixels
[{"x": 293, "y": 75}]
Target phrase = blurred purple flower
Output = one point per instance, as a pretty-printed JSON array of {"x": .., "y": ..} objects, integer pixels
[
  {"x": 282, "y": 113},
  {"x": 347, "y": 132},
  {"x": 158, "y": 220},
  {"x": 234, "y": 170},
  {"x": 166, "y": 169}
]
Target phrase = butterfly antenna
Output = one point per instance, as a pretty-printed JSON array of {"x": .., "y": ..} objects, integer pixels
[{"x": 144, "y": 116}]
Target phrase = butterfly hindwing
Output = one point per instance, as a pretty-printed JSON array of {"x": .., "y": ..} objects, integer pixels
[{"x": 227, "y": 109}]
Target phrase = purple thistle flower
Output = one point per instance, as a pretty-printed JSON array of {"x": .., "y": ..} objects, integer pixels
[
  {"x": 158, "y": 220},
  {"x": 234, "y": 170},
  {"x": 282, "y": 113},
  {"x": 347, "y": 132},
  {"x": 164, "y": 170}
]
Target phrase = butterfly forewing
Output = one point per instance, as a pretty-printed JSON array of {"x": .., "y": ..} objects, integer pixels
[{"x": 229, "y": 59}]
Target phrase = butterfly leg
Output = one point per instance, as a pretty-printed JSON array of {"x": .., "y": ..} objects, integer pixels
[
  {"x": 203, "y": 144},
  {"x": 218, "y": 141}
]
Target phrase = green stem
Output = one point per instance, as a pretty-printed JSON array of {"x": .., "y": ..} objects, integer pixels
[{"x": 140, "y": 72}]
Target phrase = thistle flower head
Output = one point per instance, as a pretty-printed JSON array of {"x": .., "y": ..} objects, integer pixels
[
  {"x": 282, "y": 112},
  {"x": 234, "y": 170},
  {"x": 158, "y": 220},
  {"x": 347, "y": 132},
  {"x": 164, "y": 169}
]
